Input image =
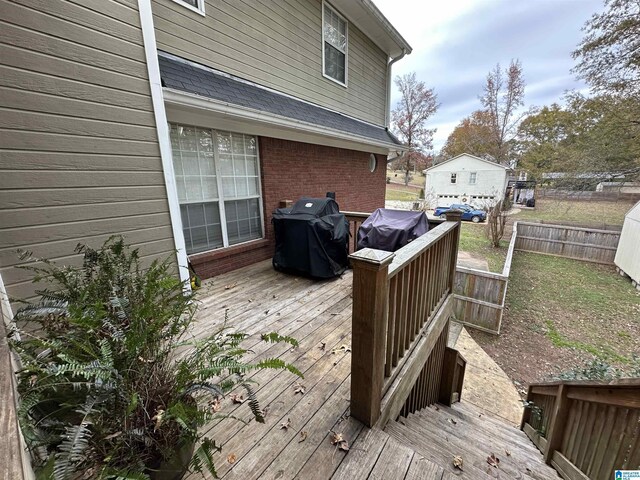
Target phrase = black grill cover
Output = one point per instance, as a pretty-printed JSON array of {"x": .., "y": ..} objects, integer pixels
[
  {"x": 311, "y": 238},
  {"x": 391, "y": 230}
]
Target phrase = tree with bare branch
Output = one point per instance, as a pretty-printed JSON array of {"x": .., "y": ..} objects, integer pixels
[
  {"x": 502, "y": 99},
  {"x": 417, "y": 104}
]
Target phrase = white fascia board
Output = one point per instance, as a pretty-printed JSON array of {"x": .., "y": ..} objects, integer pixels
[
  {"x": 162, "y": 126},
  {"x": 321, "y": 135}
]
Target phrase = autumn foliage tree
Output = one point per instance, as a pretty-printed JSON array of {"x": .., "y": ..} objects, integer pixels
[
  {"x": 417, "y": 104},
  {"x": 472, "y": 135}
]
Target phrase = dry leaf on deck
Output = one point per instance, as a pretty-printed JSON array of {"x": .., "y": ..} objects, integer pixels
[
  {"x": 231, "y": 458},
  {"x": 215, "y": 405},
  {"x": 230, "y": 286},
  {"x": 235, "y": 398},
  {"x": 322, "y": 346},
  {"x": 299, "y": 388},
  {"x": 286, "y": 425},
  {"x": 508, "y": 452},
  {"x": 453, "y": 421},
  {"x": 338, "y": 440},
  {"x": 303, "y": 436},
  {"x": 457, "y": 462},
  {"x": 493, "y": 460}
]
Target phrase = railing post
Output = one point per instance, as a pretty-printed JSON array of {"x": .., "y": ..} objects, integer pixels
[
  {"x": 557, "y": 423},
  {"x": 369, "y": 321},
  {"x": 454, "y": 216}
]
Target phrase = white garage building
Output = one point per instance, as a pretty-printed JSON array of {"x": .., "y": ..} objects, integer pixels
[{"x": 465, "y": 179}]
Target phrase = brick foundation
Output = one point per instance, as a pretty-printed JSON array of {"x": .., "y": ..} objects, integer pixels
[{"x": 291, "y": 170}]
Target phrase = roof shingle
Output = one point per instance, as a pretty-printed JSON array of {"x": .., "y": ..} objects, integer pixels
[{"x": 191, "y": 78}]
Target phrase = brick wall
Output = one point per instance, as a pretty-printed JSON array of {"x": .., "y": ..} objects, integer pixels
[{"x": 291, "y": 170}]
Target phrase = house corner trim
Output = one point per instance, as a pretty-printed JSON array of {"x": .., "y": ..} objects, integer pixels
[{"x": 162, "y": 127}]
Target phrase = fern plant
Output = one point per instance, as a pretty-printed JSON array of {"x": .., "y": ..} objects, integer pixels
[{"x": 112, "y": 383}]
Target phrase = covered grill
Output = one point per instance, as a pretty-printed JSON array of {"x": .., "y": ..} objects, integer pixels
[
  {"x": 390, "y": 230},
  {"x": 311, "y": 238}
]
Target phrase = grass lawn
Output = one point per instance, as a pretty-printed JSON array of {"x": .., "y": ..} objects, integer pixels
[
  {"x": 588, "y": 213},
  {"x": 560, "y": 313},
  {"x": 474, "y": 241},
  {"x": 401, "y": 195},
  {"x": 417, "y": 179}
]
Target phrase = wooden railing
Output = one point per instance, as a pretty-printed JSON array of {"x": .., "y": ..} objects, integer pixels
[
  {"x": 585, "y": 429},
  {"x": 401, "y": 305},
  {"x": 355, "y": 219},
  {"x": 14, "y": 461},
  {"x": 453, "y": 368}
]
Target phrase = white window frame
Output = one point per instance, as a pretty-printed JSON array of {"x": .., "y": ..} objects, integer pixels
[
  {"x": 453, "y": 178},
  {"x": 221, "y": 199},
  {"x": 474, "y": 176},
  {"x": 199, "y": 9},
  {"x": 346, "y": 51}
]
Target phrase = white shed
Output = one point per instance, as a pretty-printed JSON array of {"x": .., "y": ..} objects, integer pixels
[
  {"x": 465, "y": 179},
  {"x": 628, "y": 253}
]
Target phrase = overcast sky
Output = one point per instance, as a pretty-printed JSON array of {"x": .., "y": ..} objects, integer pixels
[{"x": 456, "y": 42}]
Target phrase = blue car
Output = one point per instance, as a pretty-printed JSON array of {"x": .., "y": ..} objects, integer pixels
[{"x": 468, "y": 212}]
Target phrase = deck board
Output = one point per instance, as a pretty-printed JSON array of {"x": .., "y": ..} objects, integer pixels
[{"x": 316, "y": 313}]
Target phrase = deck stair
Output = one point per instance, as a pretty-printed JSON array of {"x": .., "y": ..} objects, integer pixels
[{"x": 438, "y": 433}]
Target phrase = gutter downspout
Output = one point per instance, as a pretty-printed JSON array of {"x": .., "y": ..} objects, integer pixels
[{"x": 387, "y": 117}]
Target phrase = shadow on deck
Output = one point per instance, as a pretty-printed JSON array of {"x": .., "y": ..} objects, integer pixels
[{"x": 317, "y": 314}]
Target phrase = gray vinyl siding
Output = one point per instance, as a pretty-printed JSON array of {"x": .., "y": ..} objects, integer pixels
[
  {"x": 278, "y": 44},
  {"x": 79, "y": 154}
]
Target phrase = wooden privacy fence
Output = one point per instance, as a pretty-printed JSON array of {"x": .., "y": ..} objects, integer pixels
[
  {"x": 479, "y": 296},
  {"x": 401, "y": 307},
  {"x": 589, "y": 245},
  {"x": 586, "y": 429}
]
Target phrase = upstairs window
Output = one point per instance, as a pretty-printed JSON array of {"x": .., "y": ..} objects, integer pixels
[
  {"x": 195, "y": 5},
  {"x": 454, "y": 178},
  {"x": 334, "y": 40},
  {"x": 472, "y": 178}
]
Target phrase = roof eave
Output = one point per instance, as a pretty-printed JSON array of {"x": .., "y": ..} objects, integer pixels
[
  {"x": 177, "y": 97},
  {"x": 370, "y": 20}
]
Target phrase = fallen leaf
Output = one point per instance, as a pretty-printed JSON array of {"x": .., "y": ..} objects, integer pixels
[
  {"x": 508, "y": 453},
  {"x": 157, "y": 418},
  {"x": 453, "y": 421},
  {"x": 342, "y": 348},
  {"x": 231, "y": 458},
  {"x": 437, "y": 408},
  {"x": 323, "y": 346},
  {"x": 493, "y": 460},
  {"x": 275, "y": 296},
  {"x": 303, "y": 436},
  {"x": 266, "y": 312},
  {"x": 235, "y": 398},
  {"x": 215, "y": 405},
  {"x": 286, "y": 425},
  {"x": 230, "y": 286},
  {"x": 457, "y": 462},
  {"x": 299, "y": 388},
  {"x": 338, "y": 440}
]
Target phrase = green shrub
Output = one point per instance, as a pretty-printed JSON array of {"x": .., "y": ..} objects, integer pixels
[{"x": 112, "y": 383}]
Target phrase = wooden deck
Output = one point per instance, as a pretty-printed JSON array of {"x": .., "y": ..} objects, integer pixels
[{"x": 318, "y": 314}]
